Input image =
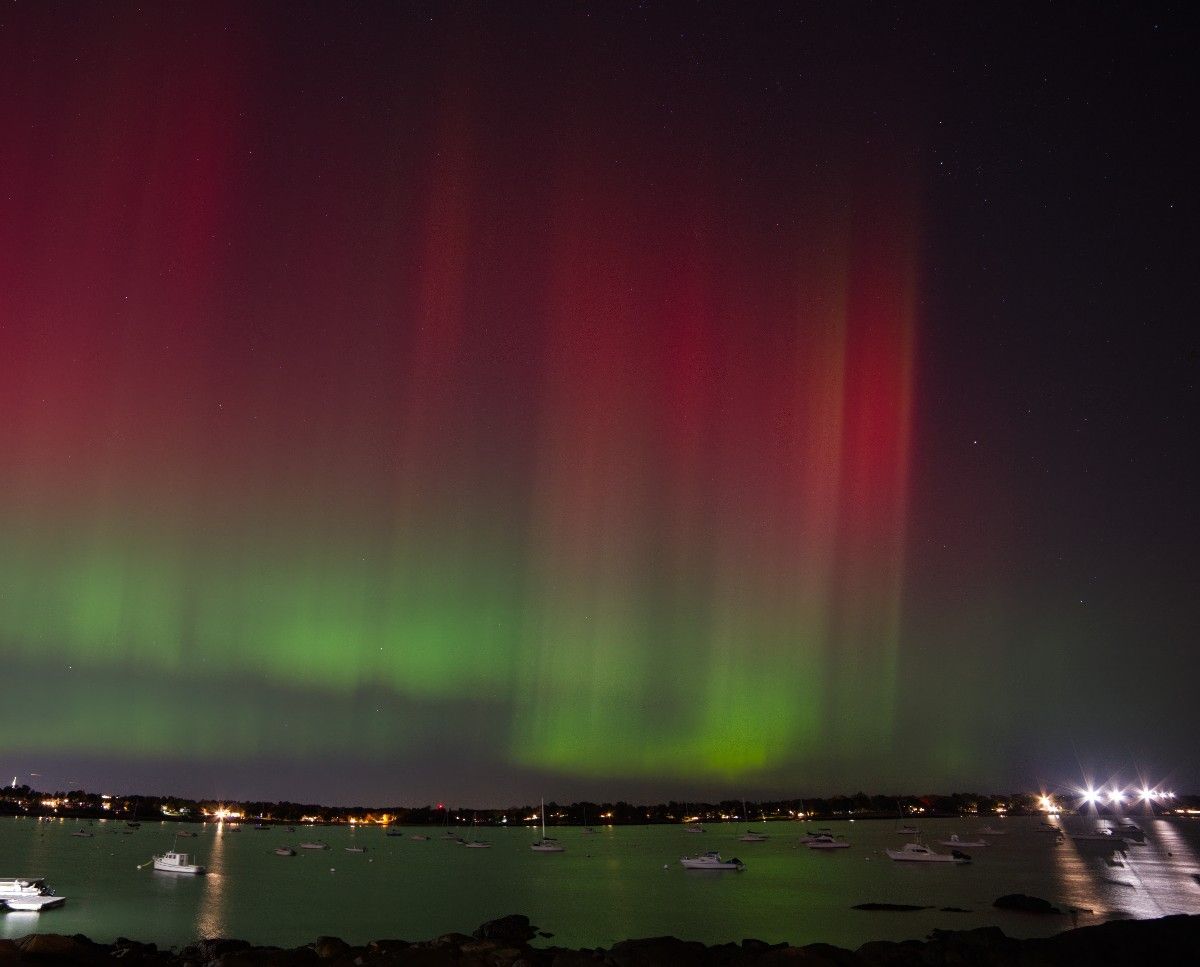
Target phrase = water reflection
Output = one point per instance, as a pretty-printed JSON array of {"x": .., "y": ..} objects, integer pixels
[{"x": 211, "y": 915}]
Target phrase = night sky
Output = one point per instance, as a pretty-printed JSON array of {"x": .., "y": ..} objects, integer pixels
[{"x": 477, "y": 402}]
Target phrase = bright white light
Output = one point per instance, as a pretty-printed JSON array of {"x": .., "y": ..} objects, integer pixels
[
  {"x": 1090, "y": 796},
  {"x": 1116, "y": 796},
  {"x": 1147, "y": 795}
]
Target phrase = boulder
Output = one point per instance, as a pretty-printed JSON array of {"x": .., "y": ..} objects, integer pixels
[
  {"x": 891, "y": 907},
  {"x": 655, "y": 951},
  {"x": 514, "y": 928},
  {"x": 56, "y": 946},
  {"x": 205, "y": 950},
  {"x": 329, "y": 948}
]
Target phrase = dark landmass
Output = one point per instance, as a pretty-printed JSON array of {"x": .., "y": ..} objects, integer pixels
[
  {"x": 79, "y": 804},
  {"x": 505, "y": 943}
]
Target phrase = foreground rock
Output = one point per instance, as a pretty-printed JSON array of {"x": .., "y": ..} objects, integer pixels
[{"x": 504, "y": 942}]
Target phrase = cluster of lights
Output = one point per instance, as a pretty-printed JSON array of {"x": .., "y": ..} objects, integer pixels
[{"x": 1116, "y": 795}]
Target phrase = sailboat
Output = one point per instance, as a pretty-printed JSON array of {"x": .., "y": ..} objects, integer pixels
[
  {"x": 547, "y": 844},
  {"x": 751, "y": 836}
]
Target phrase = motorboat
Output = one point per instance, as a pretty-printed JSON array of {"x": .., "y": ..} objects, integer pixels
[
  {"x": 186, "y": 833},
  {"x": 711, "y": 861},
  {"x": 32, "y": 904},
  {"x": 752, "y": 837},
  {"x": 284, "y": 851},
  {"x": 588, "y": 831},
  {"x": 693, "y": 828},
  {"x": 919, "y": 853},
  {"x": 476, "y": 844},
  {"x": 82, "y": 834},
  {"x": 957, "y": 843},
  {"x": 419, "y": 838},
  {"x": 173, "y": 862},
  {"x": 990, "y": 831},
  {"x": 824, "y": 841},
  {"x": 316, "y": 844},
  {"x": 394, "y": 832},
  {"x": 355, "y": 849},
  {"x": 28, "y": 894},
  {"x": 907, "y": 831}
]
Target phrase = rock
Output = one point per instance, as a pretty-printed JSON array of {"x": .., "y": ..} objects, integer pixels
[
  {"x": 392, "y": 947},
  {"x": 329, "y": 948},
  {"x": 10, "y": 953},
  {"x": 827, "y": 955},
  {"x": 455, "y": 940},
  {"x": 55, "y": 946},
  {"x": 655, "y": 951},
  {"x": 887, "y": 952},
  {"x": 952, "y": 910},
  {"x": 573, "y": 958},
  {"x": 203, "y": 951},
  {"x": 1025, "y": 904},
  {"x": 514, "y": 928},
  {"x": 894, "y": 907}
]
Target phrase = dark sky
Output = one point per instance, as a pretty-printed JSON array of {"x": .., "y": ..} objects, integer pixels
[{"x": 417, "y": 402}]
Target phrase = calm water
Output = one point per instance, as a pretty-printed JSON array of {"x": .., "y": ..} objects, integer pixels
[{"x": 606, "y": 887}]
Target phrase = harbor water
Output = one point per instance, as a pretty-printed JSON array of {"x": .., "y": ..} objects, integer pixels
[{"x": 616, "y": 883}]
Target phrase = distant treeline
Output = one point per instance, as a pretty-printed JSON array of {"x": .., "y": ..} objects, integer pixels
[{"x": 22, "y": 800}]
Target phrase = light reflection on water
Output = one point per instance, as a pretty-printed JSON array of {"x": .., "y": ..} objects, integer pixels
[
  {"x": 604, "y": 888},
  {"x": 210, "y": 919}
]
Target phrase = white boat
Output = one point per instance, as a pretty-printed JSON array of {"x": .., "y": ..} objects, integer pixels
[
  {"x": 284, "y": 851},
  {"x": 957, "y": 843},
  {"x": 823, "y": 841},
  {"x": 355, "y": 849},
  {"x": 176, "y": 863},
  {"x": 419, "y": 838},
  {"x": 752, "y": 837},
  {"x": 28, "y": 893},
  {"x": 82, "y": 833},
  {"x": 547, "y": 844},
  {"x": 711, "y": 861},
  {"x": 476, "y": 844},
  {"x": 32, "y": 904},
  {"x": 693, "y": 828},
  {"x": 907, "y": 831},
  {"x": 317, "y": 844},
  {"x": 989, "y": 831},
  {"x": 918, "y": 853}
]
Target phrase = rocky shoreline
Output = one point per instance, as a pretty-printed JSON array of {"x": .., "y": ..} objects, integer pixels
[{"x": 506, "y": 943}]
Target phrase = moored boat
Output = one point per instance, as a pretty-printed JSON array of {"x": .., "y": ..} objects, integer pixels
[
  {"x": 752, "y": 837},
  {"x": 284, "y": 851},
  {"x": 957, "y": 843},
  {"x": 315, "y": 844},
  {"x": 919, "y": 853},
  {"x": 173, "y": 862},
  {"x": 355, "y": 849},
  {"x": 823, "y": 841},
  {"x": 711, "y": 860},
  {"x": 28, "y": 894}
]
